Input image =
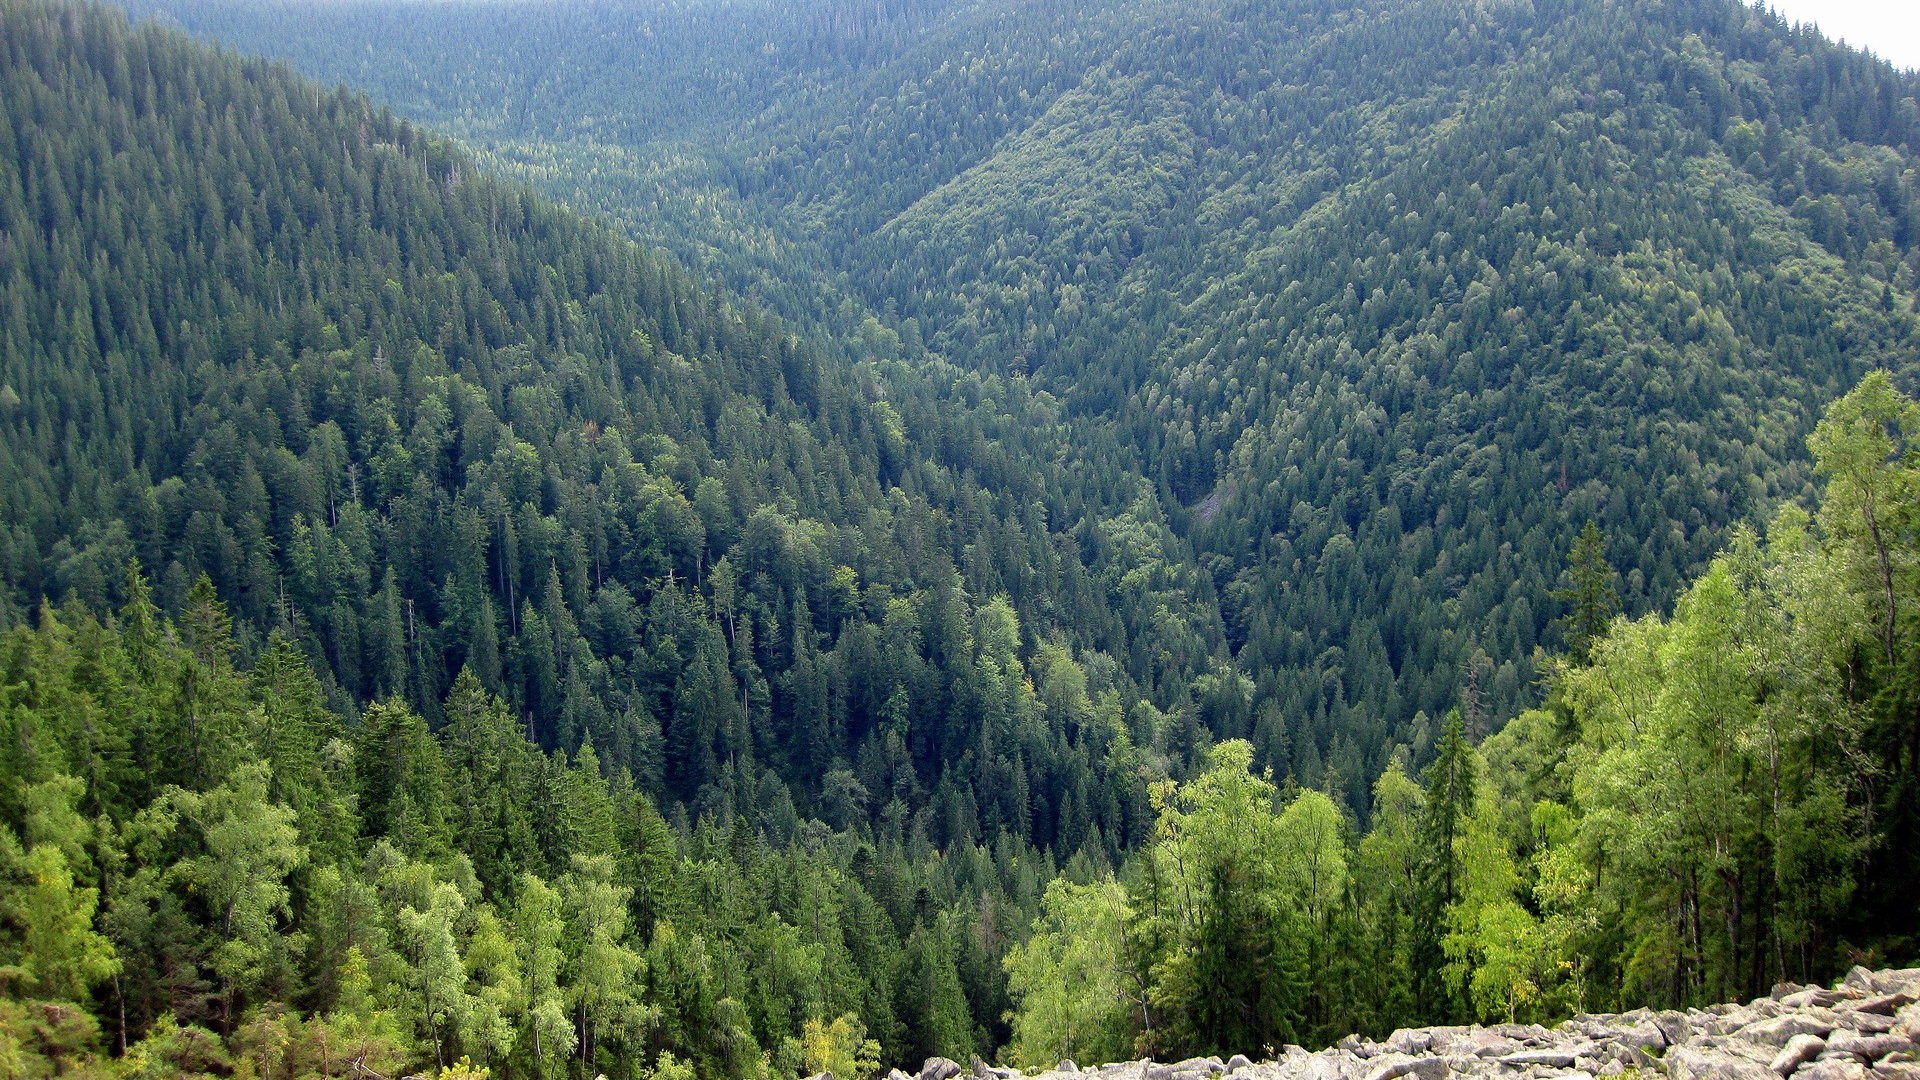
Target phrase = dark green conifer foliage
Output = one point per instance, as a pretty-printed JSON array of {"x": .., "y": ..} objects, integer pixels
[
  {"x": 553, "y": 661},
  {"x": 1589, "y": 594}
]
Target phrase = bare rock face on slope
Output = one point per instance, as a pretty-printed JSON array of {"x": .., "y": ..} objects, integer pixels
[{"x": 1864, "y": 1028}]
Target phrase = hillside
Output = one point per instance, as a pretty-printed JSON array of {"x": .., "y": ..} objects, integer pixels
[
  {"x": 340, "y": 456},
  {"x": 439, "y": 636},
  {"x": 1386, "y": 300},
  {"x": 422, "y": 421}
]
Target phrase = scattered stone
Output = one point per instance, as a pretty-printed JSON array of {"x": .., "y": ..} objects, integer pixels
[
  {"x": 1553, "y": 1059},
  {"x": 1867, "y": 1047},
  {"x": 1410, "y": 1041},
  {"x": 1815, "y": 995},
  {"x": 939, "y": 1068},
  {"x": 1424, "y": 1068},
  {"x": 1674, "y": 1026},
  {"x": 1644, "y": 1034},
  {"x": 1843, "y": 1069},
  {"x": 1883, "y": 1004},
  {"x": 1488, "y": 1044},
  {"x": 1329, "y": 1066},
  {"x": 1713, "y": 1063},
  {"x": 1778, "y": 1030},
  {"x": 1864, "y": 1028},
  {"x": 1799, "y": 1050}
]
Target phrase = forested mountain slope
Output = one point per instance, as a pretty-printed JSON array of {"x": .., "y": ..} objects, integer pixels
[
  {"x": 1387, "y": 300},
  {"x": 343, "y": 457},
  {"x": 438, "y": 629},
  {"x": 421, "y": 421}
]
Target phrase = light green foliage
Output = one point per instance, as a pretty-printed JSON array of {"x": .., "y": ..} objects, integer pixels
[
  {"x": 1233, "y": 963},
  {"x": 60, "y": 954},
  {"x": 840, "y": 1047},
  {"x": 1310, "y": 856},
  {"x": 554, "y": 662},
  {"x": 1492, "y": 942},
  {"x": 668, "y": 1067},
  {"x": 1389, "y": 857},
  {"x": 1569, "y": 912},
  {"x": 464, "y": 1069},
  {"x": 232, "y": 849},
  {"x": 62, "y": 957},
  {"x": 495, "y": 987},
  {"x": 436, "y": 975},
  {"x": 1862, "y": 446},
  {"x": 539, "y": 926},
  {"x": 1720, "y": 749},
  {"x": 603, "y": 970},
  {"x": 1078, "y": 997},
  {"x": 251, "y": 847}
]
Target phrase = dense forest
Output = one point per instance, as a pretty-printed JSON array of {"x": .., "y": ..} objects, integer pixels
[
  {"x": 1383, "y": 300},
  {"x": 1144, "y": 582}
]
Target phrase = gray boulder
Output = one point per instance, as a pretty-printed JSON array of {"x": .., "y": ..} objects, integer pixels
[
  {"x": 1410, "y": 1041},
  {"x": 1815, "y": 995},
  {"x": 1394, "y": 1066},
  {"x": 1778, "y": 1030},
  {"x": 1882, "y": 1004},
  {"x": 1643, "y": 1034},
  {"x": 1709, "y": 1063},
  {"x": 1868, "y": 1047},
  {"x": 939, "y": 1068},
  {"x": 1551, "y": 1058},
  {"x": 1799, "y": 1050}
]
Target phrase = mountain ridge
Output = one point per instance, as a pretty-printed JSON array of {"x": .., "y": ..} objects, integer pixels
[
  {"x": 1278, "y": 250},
  {"x": 434, "y": 626}
]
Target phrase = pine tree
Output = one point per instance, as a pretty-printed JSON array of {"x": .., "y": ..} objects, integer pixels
[
  {"x": 1451, "y": 783},
  {"x": 1589, "y": 594}
]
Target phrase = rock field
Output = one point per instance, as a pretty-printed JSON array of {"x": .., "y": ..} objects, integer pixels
[{"x": 1865, "y": 1028}]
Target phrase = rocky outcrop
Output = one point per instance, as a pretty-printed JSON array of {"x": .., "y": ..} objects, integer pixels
[{"x": 1865, "y": 1028}]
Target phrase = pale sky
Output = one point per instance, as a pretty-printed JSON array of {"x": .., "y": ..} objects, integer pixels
[{"x": 1888, "y": 28}]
